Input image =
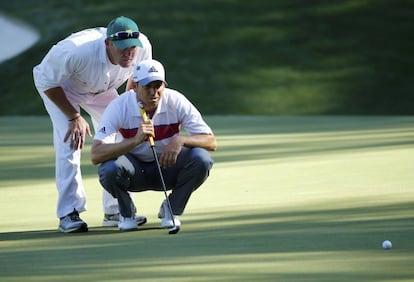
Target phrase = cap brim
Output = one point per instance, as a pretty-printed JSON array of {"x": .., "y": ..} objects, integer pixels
[
  {"x": 148, "y": 80},
  {"x": 127, "y": 43}
]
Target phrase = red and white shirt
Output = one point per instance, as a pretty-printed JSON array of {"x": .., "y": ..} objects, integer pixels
[{"x": 174, "y": 113}]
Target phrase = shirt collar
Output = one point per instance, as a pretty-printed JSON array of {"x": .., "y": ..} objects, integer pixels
[{"x": 162, "y": 105}]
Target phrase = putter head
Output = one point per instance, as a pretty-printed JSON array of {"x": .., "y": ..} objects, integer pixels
[{"x": 174, "y": 230}]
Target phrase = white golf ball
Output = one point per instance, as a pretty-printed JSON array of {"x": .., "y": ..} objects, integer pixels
[{"x": 386, "y": 245}]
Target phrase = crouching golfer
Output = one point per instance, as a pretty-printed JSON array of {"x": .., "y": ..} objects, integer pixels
[{"x": 129, "y": 164}]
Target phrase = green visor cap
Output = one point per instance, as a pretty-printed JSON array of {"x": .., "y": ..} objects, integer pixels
[{"x": 123, "y": 32}]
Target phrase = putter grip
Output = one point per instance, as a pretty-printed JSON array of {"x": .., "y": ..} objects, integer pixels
[{"x": 144, "y": 118}]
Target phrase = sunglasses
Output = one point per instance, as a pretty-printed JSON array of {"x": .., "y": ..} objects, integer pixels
[{"x": 122, "y": 35}]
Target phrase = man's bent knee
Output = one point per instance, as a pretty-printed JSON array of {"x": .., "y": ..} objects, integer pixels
[
  {"x": 116, "y": 173},
  {"x": 202, "y": 158}
]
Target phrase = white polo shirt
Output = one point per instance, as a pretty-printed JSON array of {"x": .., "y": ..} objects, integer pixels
[
  {"x": 174, "y": 113},
  {"x": 79, "y": 64}
]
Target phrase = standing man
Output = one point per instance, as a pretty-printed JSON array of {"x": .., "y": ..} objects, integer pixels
[
  {"x": 84, "y": 71},
  {"x": 128, "y": 165}
]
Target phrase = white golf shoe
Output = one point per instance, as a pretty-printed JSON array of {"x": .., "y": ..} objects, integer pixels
[
  {"x": 127, "y": 224},
  {"x": 112, "y": 220},
  {"x": 166, "y": 218}
]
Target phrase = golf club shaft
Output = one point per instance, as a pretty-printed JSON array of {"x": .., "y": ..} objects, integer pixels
[{"x": 152, "y": 145}]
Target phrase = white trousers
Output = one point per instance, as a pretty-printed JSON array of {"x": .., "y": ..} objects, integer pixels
[{"x": 71, "y": 192}]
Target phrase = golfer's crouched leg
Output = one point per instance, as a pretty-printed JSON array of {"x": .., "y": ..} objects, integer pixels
[
  {"x": 115, "y": 176},
  {"x": 198, "y": 163}
]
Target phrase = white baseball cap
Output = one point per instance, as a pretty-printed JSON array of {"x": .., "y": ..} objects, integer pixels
[{"x": 148, "y": 71}]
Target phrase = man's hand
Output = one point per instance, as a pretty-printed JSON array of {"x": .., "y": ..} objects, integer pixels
[
  {"x": 144, "y": 131},
  {"x": 169, "y": 155},
  {"x": 77, "y": 131}
]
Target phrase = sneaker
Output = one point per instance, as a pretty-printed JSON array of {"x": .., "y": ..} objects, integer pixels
[
  {"x": 166, "y": 218},
  {"x": 72, "y": 223},
  {"x": 112, "y": 220},
  {"x": 127, "y": 224}
]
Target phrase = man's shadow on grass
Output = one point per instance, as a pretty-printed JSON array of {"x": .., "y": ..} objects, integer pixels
[{"x": 54, "y": 233}]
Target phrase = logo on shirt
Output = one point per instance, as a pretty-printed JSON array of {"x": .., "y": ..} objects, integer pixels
[{"x": 103, "y": 130}]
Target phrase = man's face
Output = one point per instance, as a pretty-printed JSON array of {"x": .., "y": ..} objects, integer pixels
[
  {"x": 150, "y": 94},
  {"x": 120, "y": 57}
]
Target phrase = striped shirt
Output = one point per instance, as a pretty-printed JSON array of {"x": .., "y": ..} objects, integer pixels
[{"x": 174, "y": 113}]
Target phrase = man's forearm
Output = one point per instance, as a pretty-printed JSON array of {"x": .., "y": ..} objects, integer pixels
[
  {"x": 205, "y": 141},
  {"x": 58, "y": 96},
  {"x": 101, "y": 152}
]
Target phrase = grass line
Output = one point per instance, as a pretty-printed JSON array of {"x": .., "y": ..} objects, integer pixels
[{"x": 294, "y": 199}]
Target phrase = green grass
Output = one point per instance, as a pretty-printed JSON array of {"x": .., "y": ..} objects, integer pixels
[
  {"x": 289, "y": 199},
  {"x": 263, "y": 57}
]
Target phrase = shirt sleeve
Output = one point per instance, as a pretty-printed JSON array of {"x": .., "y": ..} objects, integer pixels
[
  {"x": 108, "y": 127},
  {"x": 191, "y": 120}
]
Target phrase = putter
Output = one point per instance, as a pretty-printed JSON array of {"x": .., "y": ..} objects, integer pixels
[{"x": 175, "y": 228}]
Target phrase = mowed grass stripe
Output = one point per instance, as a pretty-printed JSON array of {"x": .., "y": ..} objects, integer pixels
[{"x": 288, "y": 199}]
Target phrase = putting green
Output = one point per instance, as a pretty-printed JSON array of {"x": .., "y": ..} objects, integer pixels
[{"x": 289, "y": 199}]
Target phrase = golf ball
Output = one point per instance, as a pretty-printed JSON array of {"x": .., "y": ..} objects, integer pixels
[{"x": 386, "y": 245}]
